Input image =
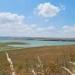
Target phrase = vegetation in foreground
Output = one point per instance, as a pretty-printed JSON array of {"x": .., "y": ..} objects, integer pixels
[{"x": 54, "y": 60}]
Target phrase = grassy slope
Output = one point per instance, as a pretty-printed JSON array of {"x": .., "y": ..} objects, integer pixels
[{"x": 53, "y": 57}]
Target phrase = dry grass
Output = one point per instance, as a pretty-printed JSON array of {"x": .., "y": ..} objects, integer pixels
[{"x": 52, "y": 59}]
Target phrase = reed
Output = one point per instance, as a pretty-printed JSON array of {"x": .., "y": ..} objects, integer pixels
[
  {"x": 11, "y": 64},
  {"x": 39, "y": 61}
]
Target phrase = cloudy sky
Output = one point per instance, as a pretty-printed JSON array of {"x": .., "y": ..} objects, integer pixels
[{"x": 45, "y": 18}]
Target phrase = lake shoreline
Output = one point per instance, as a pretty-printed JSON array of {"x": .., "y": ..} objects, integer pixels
[{"x": 30, "y": 48}]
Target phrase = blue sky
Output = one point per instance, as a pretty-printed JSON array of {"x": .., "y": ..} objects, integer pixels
[{"x": 46, "y": 18}]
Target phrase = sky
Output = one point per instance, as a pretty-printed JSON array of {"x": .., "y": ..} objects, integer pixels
[{"x": 37, "y": 18}]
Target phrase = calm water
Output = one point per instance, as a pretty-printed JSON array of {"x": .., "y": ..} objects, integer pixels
[{"x": 37, "y": 43}]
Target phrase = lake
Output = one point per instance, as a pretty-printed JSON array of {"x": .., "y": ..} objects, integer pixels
[{"x": 35, "y": 43}]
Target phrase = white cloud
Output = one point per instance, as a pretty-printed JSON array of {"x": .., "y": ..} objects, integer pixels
[
  {"x": 46, "y": 29},
  {"x": 15, "y": 25},
  {"x": 6, "y": 18},
  {"x": 66, "y": 31},
  {"x": 47, "y": 10},
  {"x": 33, "y": 25},
  {"x": 51, "y": 28},
  {"x": 68, "y": 28},
  {"x": 40, "y": 29},
  {"x": 12, "y": 24}
]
